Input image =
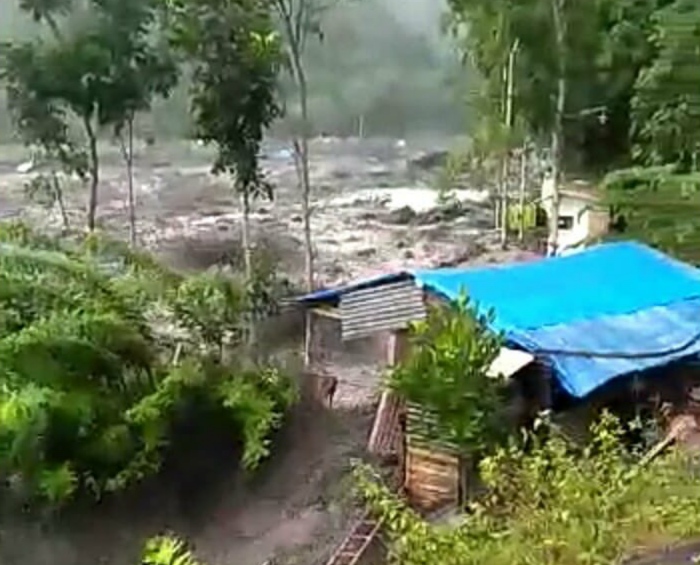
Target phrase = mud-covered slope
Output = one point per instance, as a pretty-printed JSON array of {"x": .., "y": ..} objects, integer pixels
[{"x": 295, "y": 509}]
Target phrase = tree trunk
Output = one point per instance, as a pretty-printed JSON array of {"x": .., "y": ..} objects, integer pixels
[
  {"x": 306, "y": 212},
  {"x": 245, "y": 236},
  {"x": 503, "y": 189},
  {"x": 557, "y": 132},
  {"x": 295, "y": 37},
  {"x": 305, "y": 181},
  {"x": 301, "y": 150},
  {"x": 58, "y": 196},
  {"x": 249, "y": 270},
  {"x": 296, "y": 34},
  {"x": 94, "y": 167},
  {"x": 521, "y": 195},
  {"x": 130, "y": 180},
  {"x": 127, "y": 149}
]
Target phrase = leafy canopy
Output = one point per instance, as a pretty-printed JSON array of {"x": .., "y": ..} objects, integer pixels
[
  {"x": 629, "y": 73},
  {"x": 236, "y": 56},
  {"x": 666, "y": 105},
  {"x": 98, "y": 67},
  {"x": 657, "y": 205}
]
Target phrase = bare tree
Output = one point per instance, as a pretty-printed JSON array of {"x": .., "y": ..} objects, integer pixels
[
  {"x": 300, "y": 20},
  {"x": 126, "y": 147}
]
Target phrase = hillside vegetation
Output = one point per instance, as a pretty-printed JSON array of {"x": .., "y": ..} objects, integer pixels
[{"x": 104, "y": 352}]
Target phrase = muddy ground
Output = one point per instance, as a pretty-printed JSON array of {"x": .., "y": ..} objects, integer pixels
[
  {"x": 374, "y": 208},
  {"x": 295, "y": 509}
]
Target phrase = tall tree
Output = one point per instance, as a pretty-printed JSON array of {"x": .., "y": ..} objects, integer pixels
[
  {"x": 42, "y": 126},
  {"x": 299, "y": 20},
  {"x": 666, "y": 105},
  {"x": 560, "y": 35},
  {"x": 77, "y": 73},
  {"x": 143, "y": 69},
  {"x": 235, "y": 53},
  {"x": 607, "y": 45}
]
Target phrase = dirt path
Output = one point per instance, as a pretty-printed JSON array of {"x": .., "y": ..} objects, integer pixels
[{"x": 296, "y": 508}]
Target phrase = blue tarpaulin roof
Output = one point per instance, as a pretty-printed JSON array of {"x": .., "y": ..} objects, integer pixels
[
  {"x": 604, "y": 312},
  {"x": 607, "y": 311},
  {"x": 606, "y": 280}
]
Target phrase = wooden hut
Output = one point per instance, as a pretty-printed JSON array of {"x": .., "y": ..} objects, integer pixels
[{"x": 577, "y": 328}]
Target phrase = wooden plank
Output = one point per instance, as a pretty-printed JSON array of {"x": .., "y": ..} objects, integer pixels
[
  {"x": 432, "y": 456},
  {"x": 422, "y": 430},
  {"x": 377, "y": 427},
  {"x": 432, "y": 478}
]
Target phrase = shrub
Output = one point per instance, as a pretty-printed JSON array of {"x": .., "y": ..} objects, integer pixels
[
  {"x": 446, "y": 374},
  {"x": 88, "y": 394},
  {"x": 554, "y": 505}
]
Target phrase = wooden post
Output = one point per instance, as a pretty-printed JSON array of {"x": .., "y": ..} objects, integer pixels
[
  {"x": 308, "y": 339},
  {"x": 521, "y": 195},
  {"x": 505, "y": 166},
  {"x": 397, "y": 347},
  {"x": 464, "y": 473}
]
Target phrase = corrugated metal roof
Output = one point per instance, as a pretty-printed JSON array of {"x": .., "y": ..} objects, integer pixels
[
  {"x": 391, "y": 306},
  {"x": 333, "y": 295}
]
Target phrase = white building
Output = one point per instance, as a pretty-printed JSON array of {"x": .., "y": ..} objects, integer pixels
[{"x": 581, "y": 217}]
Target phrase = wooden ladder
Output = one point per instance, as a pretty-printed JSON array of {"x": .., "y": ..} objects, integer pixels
[{"x": 356, "y": 542}]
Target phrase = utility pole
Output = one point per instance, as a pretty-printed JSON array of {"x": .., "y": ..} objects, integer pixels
[
  {"x": 558, "y": 7},
  {"x": 521, "y": 192},
  {"x": 510, "y": 95}
]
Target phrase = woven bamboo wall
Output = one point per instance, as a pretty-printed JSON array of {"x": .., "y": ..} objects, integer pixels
[
  {"x": 423, "y": 430},
  {"x": 432, "y": 478}
]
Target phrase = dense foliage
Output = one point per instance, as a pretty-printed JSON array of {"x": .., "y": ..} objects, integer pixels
[
  {"x": 91, "y": 384},
  {"x": 553, "y": 505},
  {"x": 631, "y": 70},
  {"x": 446, "y": 374},
  {"x": 657, "y": 205}
]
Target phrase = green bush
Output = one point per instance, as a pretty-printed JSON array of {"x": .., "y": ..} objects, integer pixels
[
  {"x": 553, "y": 505},
  {"x": 167, "y": 550},
  {"x": 446, "y": 375},
  {"x": 89, "y": 391}
]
